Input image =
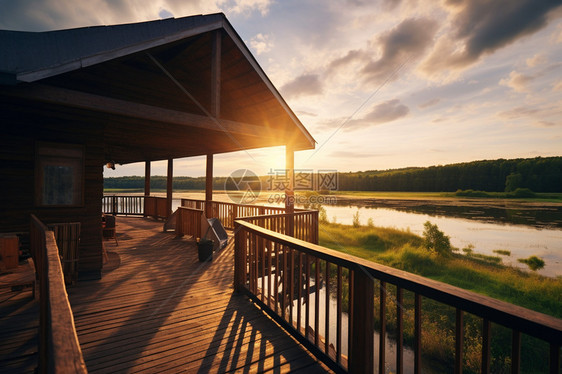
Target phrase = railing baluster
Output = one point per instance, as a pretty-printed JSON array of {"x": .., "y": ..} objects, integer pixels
[
  {"x": 327, "y": 311},
  {"x": 486, "y": 346},
  {"x": 399, "y": 331},
  {"x": 554, "y": 359},
  {"x": 459, "y": 341},
  {"x": 291, "y": 284},
  {"x": 316, "y": 301},
  {"x": 350, "y": 318},
  {"x": 269, "y": 266},
  {"x": 307, "y": 309},
  {"x": 382, "y": 317},
  {"x": 515, "y": 352},
  {"x": 338, "y": 314},
  {"x": 262, "y": 254},
  {"x": 417, "y": 334},
  {"x": 299, "y": 293},
  {"x": 276, "y": 281},
  {"x": 285, "y": 281}
]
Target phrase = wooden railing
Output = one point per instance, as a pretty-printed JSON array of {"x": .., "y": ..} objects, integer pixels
[
  {"x": 281, "y": 274},
  {"x": 189, "y": 222},
  {"x": 67, "y": 236},
  {"x": 156, "y": 207},
  {"x": 301, "y": 225},
  {"x": 228, "y": 212},
  {"x": 59, "y": 349},
  {"x": 123, "y": 205}
]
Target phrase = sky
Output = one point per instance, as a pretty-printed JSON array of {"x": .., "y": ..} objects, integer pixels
[{"x": 379, "y": 84}]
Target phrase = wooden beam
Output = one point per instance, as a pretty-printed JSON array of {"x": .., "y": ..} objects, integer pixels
[
  {"x": 209, "y": 186},
  {"x": 216, "y": 59},
  {"x": 289, "y": 192},
  {"x": 169, "y": 186},
  {"x": 98, "y": 103},
  {"x": 147, "y": 178}
]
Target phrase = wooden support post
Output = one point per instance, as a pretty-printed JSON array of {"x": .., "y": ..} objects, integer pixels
[
  {"x": 486, "y": 346},
  {"x": 289, "y": 193},
  {"x": 554, "y": 359},
  {"x": 362, "y": 345},
  {"x": 417, "y": 333},
  {"x": 459, "y": 341},
  {"x": 240, "y": 243},
  {"x": 515, "y": 352},
  {"x": 169, "y": 187},
  {"x": 146, "y": 183},
  {"x": 209, "y": 187}
]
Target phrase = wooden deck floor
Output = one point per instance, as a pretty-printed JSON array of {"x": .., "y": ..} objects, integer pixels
[
  {"x": 157, "y": 309},
  {"x": 19, "y": 330}
]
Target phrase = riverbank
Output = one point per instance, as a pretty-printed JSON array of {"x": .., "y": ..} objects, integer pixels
[{"x": 482, "y": 274}]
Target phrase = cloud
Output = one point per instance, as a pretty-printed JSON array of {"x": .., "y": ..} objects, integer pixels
[
  {"x": 557, "y": 86},
  {"x": 354, "y": 56},
  {"x": 31, "y": 15},
  {"x": 304, "y": 85},
  {"x": 518, "y": 112},
  {"x": 163, "y": 13},
  {"x": 545, "y": 124},
  {"x": 429, "y": 103},
  {"x": 382, "y": 113},
  {"x": 408, "y": 40},
  {"x": 516, "y": 81},
  {"x": 537, "y": 59},
  {"x": 246, "y": 6},
  {"x": 261, "y": 43},
  {"x": 480, "y": 27}
]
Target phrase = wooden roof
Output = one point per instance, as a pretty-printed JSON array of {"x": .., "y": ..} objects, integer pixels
[{"x": 161, "y": 89}]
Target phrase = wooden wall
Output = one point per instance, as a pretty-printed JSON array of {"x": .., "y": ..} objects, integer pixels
[{"x": 23, "y": 124}]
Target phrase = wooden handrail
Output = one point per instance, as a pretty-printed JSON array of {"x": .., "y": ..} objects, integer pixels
[
  {"x": 189, "y": 222},
  {"x": 304, "y": 224},
  {"x": 59, "y": 349},
  {"x": 256, "y": 246}
]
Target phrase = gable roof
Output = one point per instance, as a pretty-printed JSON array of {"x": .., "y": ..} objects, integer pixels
[
  {"x": 31, "y": 56},
  {"x": 116, "y": 66}
]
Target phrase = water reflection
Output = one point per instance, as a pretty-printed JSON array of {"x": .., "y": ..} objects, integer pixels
[{"x": 486, "y": 235}]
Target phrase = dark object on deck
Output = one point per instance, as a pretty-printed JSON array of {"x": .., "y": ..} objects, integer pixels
[
  {"x": 219, "y": 232},
  {"x": 109, "y": 230},
  {"x": 205, "y": 250}
]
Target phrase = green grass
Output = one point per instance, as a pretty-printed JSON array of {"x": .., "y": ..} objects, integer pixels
[{"x": 478, "y": 273}]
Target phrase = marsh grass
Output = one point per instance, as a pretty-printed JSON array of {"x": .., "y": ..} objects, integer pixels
[{"x": 478, "y": 273}]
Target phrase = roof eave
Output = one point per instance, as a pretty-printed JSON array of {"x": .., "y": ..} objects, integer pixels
[{"x": 35, "y": 75}]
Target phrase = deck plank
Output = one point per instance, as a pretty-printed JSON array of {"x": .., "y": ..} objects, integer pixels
[{"x": 158, "y": 309}]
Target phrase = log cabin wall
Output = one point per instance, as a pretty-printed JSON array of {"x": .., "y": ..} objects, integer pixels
[{"x": 24, "y": 125}]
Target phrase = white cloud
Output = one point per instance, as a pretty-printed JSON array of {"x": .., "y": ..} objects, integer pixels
[
  {"x": 537, "y": 59},
  {"x": 246, "y": 6},
  {"x": 261, "y": 43},
  {"x": 517, "y": 81}
]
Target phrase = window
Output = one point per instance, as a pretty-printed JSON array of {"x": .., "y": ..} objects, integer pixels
[{"x": 59, "y": 175}]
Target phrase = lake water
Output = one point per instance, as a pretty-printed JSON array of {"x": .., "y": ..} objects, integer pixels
[{"x": 521, "y": 230}]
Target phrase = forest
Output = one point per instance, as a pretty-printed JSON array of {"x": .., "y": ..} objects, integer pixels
[{"x": 540, "y": 174}]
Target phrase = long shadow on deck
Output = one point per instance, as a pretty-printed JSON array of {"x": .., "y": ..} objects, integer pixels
[{"x": 162, "y": 310}]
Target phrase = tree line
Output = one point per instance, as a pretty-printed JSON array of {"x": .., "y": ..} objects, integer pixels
[{"x": 540, "y": 174}]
